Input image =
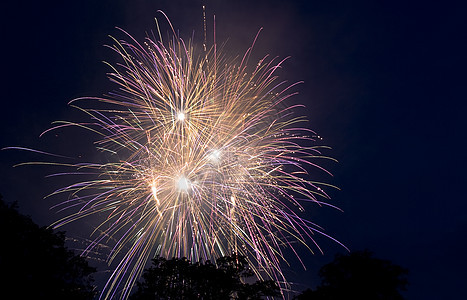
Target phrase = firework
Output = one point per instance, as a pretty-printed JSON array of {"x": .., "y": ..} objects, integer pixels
[{"x": 204, "y": 158}]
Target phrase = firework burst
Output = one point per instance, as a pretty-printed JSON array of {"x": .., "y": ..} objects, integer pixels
[{"x": 204, "y": 159}]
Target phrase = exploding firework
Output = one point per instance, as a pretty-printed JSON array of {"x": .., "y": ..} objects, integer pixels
[{"x": 203, "y": 158}]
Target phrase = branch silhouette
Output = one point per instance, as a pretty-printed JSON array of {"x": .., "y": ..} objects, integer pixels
[
  {"x": 178, "y": 278},
  {"x": 35, "y": 262}
]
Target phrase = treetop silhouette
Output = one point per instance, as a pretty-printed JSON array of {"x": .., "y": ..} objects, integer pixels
[
  {"x": 35, "y": 264},
  {"x": 178, "y": 278},
  {"x": 359, "y": 275}
]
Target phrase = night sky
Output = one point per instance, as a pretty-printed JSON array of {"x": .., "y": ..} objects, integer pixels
[{"x": 384, "y": 85}]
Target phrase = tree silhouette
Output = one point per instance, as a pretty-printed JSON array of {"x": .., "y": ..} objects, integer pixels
[
  {"x": 35, "y": 264},
  {"x": 359, "y": 276},
  {"x": 178, "y": 278}
]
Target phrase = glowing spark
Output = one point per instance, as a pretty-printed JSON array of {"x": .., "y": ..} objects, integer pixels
[{"x": 154, "y": 192}]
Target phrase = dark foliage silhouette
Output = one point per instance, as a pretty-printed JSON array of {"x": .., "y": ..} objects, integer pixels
[
  {"x": 35, "y": 264},
  {"x": 359, "y": 276},
  {"x": 178, "y": 278}
]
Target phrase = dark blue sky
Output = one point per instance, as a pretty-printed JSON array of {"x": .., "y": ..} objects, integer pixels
[{"x": 384, "y": 84}]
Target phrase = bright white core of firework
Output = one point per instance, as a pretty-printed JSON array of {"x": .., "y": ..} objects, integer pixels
[
  {"x": 181, "y": 116},
  {"x": 215, "y": 156},
  {"x": 183, "y": 184}
]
